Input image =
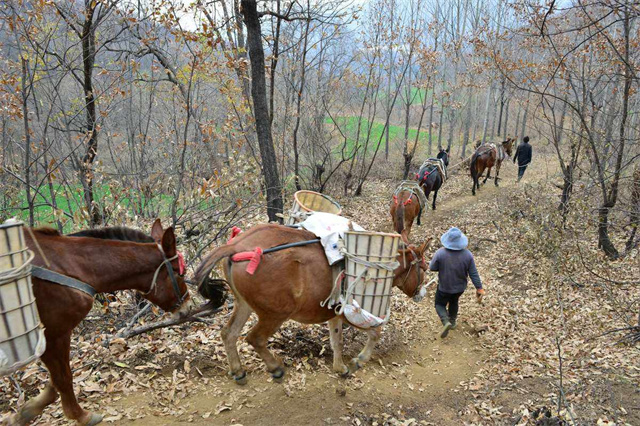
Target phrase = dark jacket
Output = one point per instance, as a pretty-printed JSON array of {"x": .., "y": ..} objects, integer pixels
[
  {"x": 454, "y": 266},
  {"x": 523, "y": 154}
]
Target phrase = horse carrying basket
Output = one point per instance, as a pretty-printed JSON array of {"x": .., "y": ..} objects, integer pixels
[
  {"x": 305, "y": 202},
  {"x": 21, "y": 334},
  {"x": 369, "y": 270}
]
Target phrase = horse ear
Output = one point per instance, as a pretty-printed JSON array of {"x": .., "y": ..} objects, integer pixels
[
  {"x": 169, "y": 242},
  {"x": 156, "y": 231},
  {"x": 425, "y": 245}
]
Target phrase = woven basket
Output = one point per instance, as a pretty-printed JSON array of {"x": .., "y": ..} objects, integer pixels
[
  {"x": 21, "y": 334},
  {"x": 373, "y": 290},
  {"x": 310, "y": 201}
]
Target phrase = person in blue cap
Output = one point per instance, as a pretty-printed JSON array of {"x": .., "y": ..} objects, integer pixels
[{"x": 454, "y": 264}]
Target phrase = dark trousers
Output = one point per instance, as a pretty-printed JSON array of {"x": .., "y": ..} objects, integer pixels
[
  {"x": 521, "y": 170},
  {"x": 444, "y": 299}
]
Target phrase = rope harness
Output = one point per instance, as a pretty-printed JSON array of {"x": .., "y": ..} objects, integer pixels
[{"x": 414, "y": 188}]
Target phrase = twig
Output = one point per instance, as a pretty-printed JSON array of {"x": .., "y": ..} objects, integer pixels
[
  {"x": 136, "y": 317},
  {"x": 197, "y": 315}
]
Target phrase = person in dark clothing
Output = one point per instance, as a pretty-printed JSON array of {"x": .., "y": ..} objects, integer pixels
[
  {"x": 454, "y": 264},
  {"x": 523, "y": 155}
]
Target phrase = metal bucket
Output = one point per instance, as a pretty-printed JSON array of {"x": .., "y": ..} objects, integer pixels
[
  {"x": 305, "y": 202},
  {"x": 21, "y": 334},
  {"x": 370, "y": 262}
]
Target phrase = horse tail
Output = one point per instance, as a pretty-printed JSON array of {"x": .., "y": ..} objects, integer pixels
[
  {"x": 474, "y": 167},
  {"x": 399, "y": 222},
  {"x": 214, "y": 290}
]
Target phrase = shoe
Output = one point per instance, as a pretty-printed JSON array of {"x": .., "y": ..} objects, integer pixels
[
  {"x": 454, "y": 324},
  {"x": 445, "y": 330}
]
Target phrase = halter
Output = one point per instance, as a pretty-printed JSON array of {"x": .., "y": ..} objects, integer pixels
[
  {"x": 176, "y": 289},
  {"x": 416, "y": 261}
]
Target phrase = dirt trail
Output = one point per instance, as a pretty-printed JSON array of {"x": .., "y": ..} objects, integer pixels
[{"x": 414, "y": 373}]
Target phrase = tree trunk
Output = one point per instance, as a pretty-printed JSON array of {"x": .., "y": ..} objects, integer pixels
[
  {"x": 433, "y": 92},
  {"x": 27, "y": 141},
  {"x": 303, "y": 66},
  {"x": 523, "y": 131},
  {"x": 467, "y": 122},
  {"x": 88, "y": 61},
  {"x": 261, "y": 109},
  {"x": 486, "y": 115}
]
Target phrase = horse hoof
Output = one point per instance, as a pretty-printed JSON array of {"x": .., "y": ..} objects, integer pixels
[
  {"x": 354, "y": 365},
  {"x": 343, "y": 370},
  {"x": 278, "y": 375},
  {"x": 241, "y": 379},
  {"x": 93, "y": 419},
  {"x": 19, "y": 419}
]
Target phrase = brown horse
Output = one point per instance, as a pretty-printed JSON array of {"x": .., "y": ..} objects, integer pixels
[
  {"x": 107, "y": 259},
  {"x": 405, "y": 207},
  {"x": 291, "y": 284},
  {"x": 485, "y": 157}
]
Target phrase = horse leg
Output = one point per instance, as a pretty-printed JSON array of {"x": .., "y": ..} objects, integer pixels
[
  {"x": 335, "y": 337},
  {"x": 56, "y": 358},
  {"x": 258, "y": 337},
  {"x": 487, "y": 177},
  {"x": 435, "y": 195},
  {"x": 497, "y": 172},
  {"x": 230, "y": 333},
  {"x": 34, "y": 407},
  {"x": 365, "y": 355}
]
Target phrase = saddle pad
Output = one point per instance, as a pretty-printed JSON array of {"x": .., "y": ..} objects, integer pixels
[{"x": 414, "y": 187}]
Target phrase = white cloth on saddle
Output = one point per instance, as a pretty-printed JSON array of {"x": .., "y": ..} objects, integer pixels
[{"x": 330, "y": 228}]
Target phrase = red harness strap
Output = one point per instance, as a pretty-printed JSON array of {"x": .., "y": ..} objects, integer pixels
[
  {"x": 234, "y": 233},
  {"x": 182, "y": 266},
  {"x": 407, "y": 201},
  {"x": 254, "y": 258}
]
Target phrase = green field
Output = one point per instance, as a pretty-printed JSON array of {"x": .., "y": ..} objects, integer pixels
[
  {"x": 349, "y": 126},
  {"x": 70, "y": 201}
]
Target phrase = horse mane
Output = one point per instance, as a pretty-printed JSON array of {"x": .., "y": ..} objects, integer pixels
[
  {"x": 47, "y": 231},
  {"x": 120, "y": 233}
]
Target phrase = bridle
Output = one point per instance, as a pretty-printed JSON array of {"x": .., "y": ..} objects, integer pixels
[
  {"x": 166, "y": 262},
  {"x": 416, "y": 261}
]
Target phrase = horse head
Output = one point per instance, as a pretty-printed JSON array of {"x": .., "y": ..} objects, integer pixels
[
  {"x": 444, "y": 155},
  {"x": 168, "y": 289},
  {"x": 508, "y": 145},
  {"x": 409, "y": 276}
]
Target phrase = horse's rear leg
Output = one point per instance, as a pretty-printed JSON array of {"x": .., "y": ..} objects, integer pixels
[
  {"x": 365, "y": 354},
  {"x": 335, "y": 337},
  {"x": 487, "y": 176},
  {"x": 34, "y": 407},
  {"x": 56, "y": 358},
  {"x": 258, "y": 338},
  {"x": 230, "y": 333}
]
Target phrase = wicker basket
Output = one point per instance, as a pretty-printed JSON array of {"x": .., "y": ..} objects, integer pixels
[
  {"x": 310, "y": 201},
  {"x": 21, "y": 334},
  {"x": 370, "y": 261}
]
